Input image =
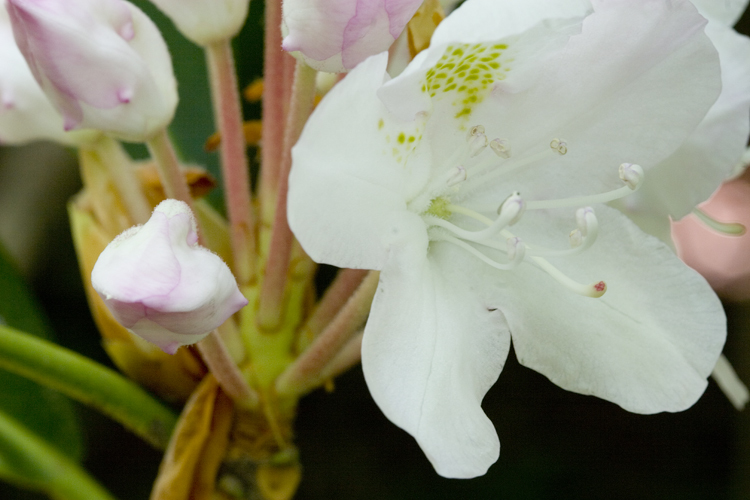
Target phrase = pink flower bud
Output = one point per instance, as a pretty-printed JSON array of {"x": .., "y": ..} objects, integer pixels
[
  {"x": 336, "y": 35},
  {"x": 205, "y": 21},
  {"x": 25, "y": 112},
  {"x": 722, "y": 259},
  {"x": 160, "y": 284},
  {"x": 102, "y": 64}
]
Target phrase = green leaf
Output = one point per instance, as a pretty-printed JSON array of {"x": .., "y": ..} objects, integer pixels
[
  {"x": 43, "y": 411},
  {"x": 32, "y": 463}
]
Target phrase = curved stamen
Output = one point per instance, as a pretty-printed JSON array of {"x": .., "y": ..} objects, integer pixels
[
  {"x": 725, "y": 228},
  {"x": 594, "y": 290},
  {"x": 517, "y": 251},
  {"x": 630, "y": 174},
  {"x": 510, "y": 211},
  {"x": 581, "y": 238}
]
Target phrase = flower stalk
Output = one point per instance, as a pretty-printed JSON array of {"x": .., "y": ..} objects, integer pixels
[
  {"x": 221, "y": 365},
  {"x": 120, "y": 168},
  {"x": 228, "y": 117},
  {"x": 305, "y": 373},
  {"x": 273, "y": 109},
  {"x": 170, "y": 173},
  {"x": 274, "y": 280}
]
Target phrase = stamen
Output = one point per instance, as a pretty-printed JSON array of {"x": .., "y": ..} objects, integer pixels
[
  {"x": 576, "y": 238},
  {"x": 516, "y": 203},
  {"x": 509, "y": 212},
  {"x": 725, "y": 228},
  {"x": 500, "y": 147},
  {"x": 633, "y": 174},
  {"x": 594, "y": 290},
  {"x": 477, "y": 140},
  {"x": 518, "y": 251},
  {"x": 559, "y": 145},
  {"x": 456, "y": 175},
  {"x": 580, "y": 238}
]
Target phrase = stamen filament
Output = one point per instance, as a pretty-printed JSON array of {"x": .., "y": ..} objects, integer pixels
[
  {"x": 580, "y": 200},
  {"x": 594, "y": 290},
  {"x": 725, "y": 228},
  {"x": 517, "y": 258},
  {"x": 509, "y": 213}
]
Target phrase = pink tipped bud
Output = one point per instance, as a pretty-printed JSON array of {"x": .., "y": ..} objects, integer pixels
[
  {"x": 160, "y": 284},
  {"x": 335, "y": 36},
  {"x": 102, "y": 64}
]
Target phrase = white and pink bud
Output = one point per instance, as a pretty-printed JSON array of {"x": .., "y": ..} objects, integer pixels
[
  {"x": 205, "y": 21},
  {"x": 336, "y": 35},
  {"x": 102, "y": 63},
  {"x": 162, "y": 285},
  {"x": 25, "y": 112}
]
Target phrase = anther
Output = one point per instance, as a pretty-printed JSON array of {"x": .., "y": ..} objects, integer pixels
[
  {"x": 631, "y": 174},
  {"x": 477, "y": 140},
  {"x": 512, "y": 209},
  {"x": 500, "y": 147},
  {"x": 559, "y": 145},
  {"x": 516, "y": 249},
  {"x": 456, "y": 175},
  {"x": 576, "y": 238}
]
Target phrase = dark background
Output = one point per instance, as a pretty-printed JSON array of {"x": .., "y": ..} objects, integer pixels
[{"x": 555, "y": 444}]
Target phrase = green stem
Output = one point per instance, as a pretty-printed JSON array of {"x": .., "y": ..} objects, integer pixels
[
  {"x": 88, "y": 382},
  {"x": 36, "y": 463}
]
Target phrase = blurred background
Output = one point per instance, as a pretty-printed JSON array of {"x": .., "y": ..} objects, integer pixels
[{"x": 555, "y": 444}]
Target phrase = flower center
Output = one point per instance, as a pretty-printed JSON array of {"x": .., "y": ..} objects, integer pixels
[{"x": 495, "y": 238}]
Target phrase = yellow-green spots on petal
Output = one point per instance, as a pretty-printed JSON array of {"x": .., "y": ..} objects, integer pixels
[
  {"x": 399, "y": 144},
  {"x": 466, "y": 73}
]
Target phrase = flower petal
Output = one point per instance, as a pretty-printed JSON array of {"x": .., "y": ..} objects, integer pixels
[
  {"x": 648, "y": 344},
  {"x": 727, "y": 12},
  {"x": 710, "y": 153},
  {"x": 630, "y": 106},
  {"x": 432, "y": 348},
  {"x": 348, "y": 188}
]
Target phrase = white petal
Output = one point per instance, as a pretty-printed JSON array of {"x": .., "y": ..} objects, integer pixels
[
  {"x": 727, "y": 12},
  {"x": 347, "y": 187},
  {"x": 484, "y": 20},
  {"x": 637, "y": 104},
  {"x": 648, "y": 344},
  {"x": 481, "y": 21},
  {"x": 693, "y": 172},
  {"x": 432, "y": 348}
]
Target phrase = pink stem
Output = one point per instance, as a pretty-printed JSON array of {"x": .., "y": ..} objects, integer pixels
[
  {"x": 333, "y": 300},
  {"x": 273, "y": 107},
  {"x": 170, "y": 173},
  {"x": 307, "y": 369},
  {"x": 228, "y": 117},
  {"x": 275, "y": 277},
  {"x": 220, "y": 362}
]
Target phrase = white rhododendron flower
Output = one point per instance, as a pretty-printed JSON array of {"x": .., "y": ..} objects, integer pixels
[
  {"x": 206, "y": 21},
  {"x": 161, "y": 285},
  {"x": 461, "y": 180},
  {"x": 336, "y": 35},
  {"x": 102, "y": 63}
]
